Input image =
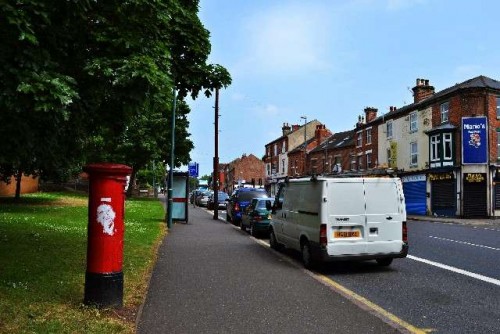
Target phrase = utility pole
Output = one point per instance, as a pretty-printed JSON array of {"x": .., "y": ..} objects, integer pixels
[
  {"x": 215, "y": 178},
  {"x": 171, "y": 171}
]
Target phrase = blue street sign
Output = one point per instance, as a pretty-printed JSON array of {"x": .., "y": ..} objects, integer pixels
[{"x": 193, "y": 169}]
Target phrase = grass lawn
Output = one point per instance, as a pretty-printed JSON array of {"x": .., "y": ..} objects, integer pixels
[{"x": 43, "y": 249}]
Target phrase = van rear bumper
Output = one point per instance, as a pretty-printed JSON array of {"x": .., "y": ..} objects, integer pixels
[{"x": 321, "y": 253}]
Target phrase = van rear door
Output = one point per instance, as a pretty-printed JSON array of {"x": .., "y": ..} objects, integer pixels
[
  {"x": 346, "y": 216},
  {"x": 384, "y": 215}
]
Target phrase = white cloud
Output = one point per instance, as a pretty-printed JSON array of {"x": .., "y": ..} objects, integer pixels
[{"x": 290, "y": 39}]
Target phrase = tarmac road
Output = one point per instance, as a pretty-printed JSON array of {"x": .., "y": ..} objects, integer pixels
[{"x": 213, "y": 278}]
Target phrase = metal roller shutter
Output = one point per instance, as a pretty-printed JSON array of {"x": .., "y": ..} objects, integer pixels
[{"x": 415, "y": 197}]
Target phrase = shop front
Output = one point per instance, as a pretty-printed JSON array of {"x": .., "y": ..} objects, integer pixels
[{"x": 443, "y": 193}]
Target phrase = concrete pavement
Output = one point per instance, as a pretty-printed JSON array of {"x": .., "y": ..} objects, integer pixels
[
  {"x": 211, "y": 277},
  {"x": 483, "y": 222}
]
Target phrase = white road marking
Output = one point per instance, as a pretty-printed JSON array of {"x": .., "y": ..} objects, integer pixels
[
  {"x": 486, "y": 228},
  {"x": 465, "y": 243},
  {"x": 456, "y": 270}
]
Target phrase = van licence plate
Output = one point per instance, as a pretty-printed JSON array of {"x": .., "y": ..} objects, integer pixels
[{"x": 346, "y": 234}]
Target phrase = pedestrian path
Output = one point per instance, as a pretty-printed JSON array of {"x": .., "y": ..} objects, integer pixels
[
  {"x": 483, "y": 222},
  {"x": 211, "y": 277}
]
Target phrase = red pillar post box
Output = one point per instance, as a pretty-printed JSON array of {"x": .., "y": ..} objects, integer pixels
[{"x": 104, "y": 275}]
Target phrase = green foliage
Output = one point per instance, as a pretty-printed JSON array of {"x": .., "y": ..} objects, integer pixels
[{"x": 87, "y": 81}]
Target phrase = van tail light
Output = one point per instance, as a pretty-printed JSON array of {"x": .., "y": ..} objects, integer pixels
[
  {"x": 322, "y": 235},
  {"x": 405, "y": 233},
  {"x": 237, "y": 207}
]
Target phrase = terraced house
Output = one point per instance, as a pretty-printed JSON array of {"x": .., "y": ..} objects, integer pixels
[{"x": 445, "y": 146}]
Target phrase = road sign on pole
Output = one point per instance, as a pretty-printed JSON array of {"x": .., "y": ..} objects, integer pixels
[{"x": 193, "y": 169}]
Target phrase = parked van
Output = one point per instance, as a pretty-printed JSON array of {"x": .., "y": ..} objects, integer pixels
[{"x": 334, "y": 219}]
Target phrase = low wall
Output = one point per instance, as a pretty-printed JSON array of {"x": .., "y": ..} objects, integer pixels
[{"x": 28, "y": 185}]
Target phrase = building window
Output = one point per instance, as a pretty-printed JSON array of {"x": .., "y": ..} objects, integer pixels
[
  {"x": 413, "y": 154},
  {"x": 368, "y": 136},
  {"x": 447, "y": 149},
  {"x": 275, "y": 149},
  {"x": 389, "y": 129},
  {"x": 498, "y": 144},
  {"x": 435, "y": 148},
  {"x": 413, "y": 122},
  {"x": 360, "y": 162},
  {"x": 353, "y": 162},
  {"x": 498, "y": 106},
  {"x": 283, "y": 166},
  {"x": 359, "y": 139},
  {"x": 445, "y": 109},
  {"x": 269, "y": 170},
  {"x": 368, "y": 160}
]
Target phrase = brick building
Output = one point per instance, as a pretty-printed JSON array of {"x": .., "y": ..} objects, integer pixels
[
  {"x": 298, "y": 163},
  {"x": 444, "y": 146},
  {"x": 276, "y": 156},
  {"x": 246, "y": 170},
  {"x": 334, "y": 153}
]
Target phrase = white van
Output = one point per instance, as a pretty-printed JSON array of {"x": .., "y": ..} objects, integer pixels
[{"x": 334, "y": 218}]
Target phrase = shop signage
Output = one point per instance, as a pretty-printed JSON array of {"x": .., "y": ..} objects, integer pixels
[
  {"x": 413, "y": 178},
  {"x": 474, "y": 177},
  {"x": 474, "y": 140},
  {"x": 440, "y": 176}
]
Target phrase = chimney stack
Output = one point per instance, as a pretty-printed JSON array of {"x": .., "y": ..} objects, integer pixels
[
  {"x": 286, "y": 129},
  {"x": 370, "y": 114},
  {"x": 422, "y": 90},
  {"x": 321, "y": 133}
]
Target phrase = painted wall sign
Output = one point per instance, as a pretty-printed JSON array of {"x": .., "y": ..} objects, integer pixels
[{"x": 474, "y": 140}]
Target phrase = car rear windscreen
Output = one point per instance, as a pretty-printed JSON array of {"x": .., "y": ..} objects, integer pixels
[{"x": 248, "y": 195}]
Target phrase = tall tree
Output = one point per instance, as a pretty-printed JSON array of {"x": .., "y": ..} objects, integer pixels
[{"x": 89, "y": 80}]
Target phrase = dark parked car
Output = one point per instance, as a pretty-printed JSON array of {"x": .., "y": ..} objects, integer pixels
[
  {"x": 256, "y": 217},
  {"x": 222, "y": 197},
  {"x": 239, "y": 200}
]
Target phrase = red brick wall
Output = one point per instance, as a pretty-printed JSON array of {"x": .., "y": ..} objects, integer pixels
[
  {"x": 28, "y": 185},
  {"x": 467, "y": 104},
  {"x": 493, "y": 125},
  {"x": 299, "y": 157},
  {"x": 249, "y": 167}
]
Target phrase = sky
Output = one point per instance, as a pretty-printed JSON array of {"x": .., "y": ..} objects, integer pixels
[{"x": 330, "y": 59}]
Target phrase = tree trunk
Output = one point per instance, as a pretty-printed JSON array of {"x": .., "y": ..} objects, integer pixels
[
  {"x": 131, "y": 183},
  {"x": 18, "y": 177}
]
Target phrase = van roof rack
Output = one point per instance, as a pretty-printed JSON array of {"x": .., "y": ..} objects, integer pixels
[{"x": 376, "y": 172}]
